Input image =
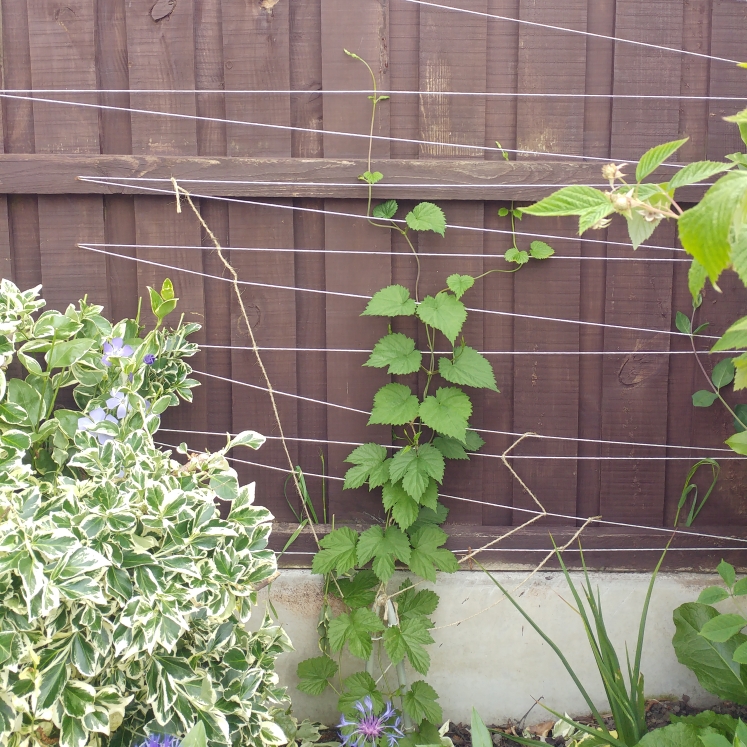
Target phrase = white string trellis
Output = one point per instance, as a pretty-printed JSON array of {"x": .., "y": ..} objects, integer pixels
[
  {"x": 534, "y": 317},
  {"x": 336, "y": 133},
  {"x": 533, "y": 512}
]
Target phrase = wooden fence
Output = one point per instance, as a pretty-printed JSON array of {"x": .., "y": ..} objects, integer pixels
[{"x": 290, "y": 179}]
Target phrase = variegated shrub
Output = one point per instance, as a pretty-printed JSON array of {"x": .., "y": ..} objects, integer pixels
[{"x": 123, "y": 593}]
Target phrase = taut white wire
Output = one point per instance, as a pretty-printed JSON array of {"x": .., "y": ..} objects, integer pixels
[
  {"x": 537, "y": 24},
  {"x": 535, "y": 317},
  {"x": 357, "y": 135},
  {"x": 109, "y": 182},
  {"x": 381, "y": 92},
  {"x": 518, "y": 509},
  {"x": 404, "y": 253}
]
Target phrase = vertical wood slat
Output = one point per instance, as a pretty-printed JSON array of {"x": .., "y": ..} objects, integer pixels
[
  {"x": 18, "y": 120},
  {"x": 726, "y": 80},
  {"x": 634, "y": 405},
  {"x": 63, "y": 53},
  {"x": 404, "y": 35},
  {"x": 257, "y": 56},
  {"x": 362, "y": 29},
  {"x": 453, "y": 51},
  {"x": 546, "y": 388},
  {"x": 161, "y": 56}
]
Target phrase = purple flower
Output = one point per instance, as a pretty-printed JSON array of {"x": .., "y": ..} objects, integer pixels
[
  {"x": 119, "y": 401},
  {"x": 368, "y": 728},
  {"x": 149, "y": 359},
  {"x": 159, "y": 740},
  {"x": 115, "y": 349},
  {"x": 91, "y": 422}
]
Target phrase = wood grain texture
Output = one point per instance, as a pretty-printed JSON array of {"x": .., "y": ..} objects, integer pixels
[{"x": 404, "y": 43}]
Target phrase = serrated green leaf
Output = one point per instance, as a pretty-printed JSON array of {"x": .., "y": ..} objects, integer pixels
[
  {"x": 448, "y": 412},
  {"x": 450, "y": 447},
  {"x": 384, "y": 547},
  {"x": 427, "y": 553},
  {"x": 734, "y": 337},
  {"x": 411, "y": 602},
  {"x": 394, "y": 300},
  {"x": 540, "y": 250},
  {"x": 356, "y": 688},
  {"x": 445, "y": 313},
  {"x": 409, "y": 638},
  {"x": 459, "y": 284},
  {"x": 706, "y": 229},
  {"x": 427, "y": 217},
  {"x": 394, "y": 404},
  {"x": 568, "y": 201},
  {"x": 704, "y": 398},
  {"x": 354, "y": 628},
  {"x": 385, "y": 210},
  {"x": 696, "y": 277},
  {"x": 338, "y": 552},
  {"x": 723, "y": 627},
  {"x": 397, "y": 352},
  {"x": 639, "y": 229},
  {"x": 371, "y": 465},
  {"x": 682, "y": 322},
  {"x": 419, "y": 702},
  {"x": 727, "y": 573},
  {"x": 371, "y": 177},
  {"x": 723, "y": 373},
  {"x": 359, "y": 591},
  {"x": 314, "y": 674},
  {"x": 474, "y": 441},
  {"x": 468, "y": 367},
  {"x": 713, "y": 595},
  {"x": 414, "y": 467},
  {"x": 404, "y": 508},
  {"x": 697, "y": 172},
  {"x": 655, "y": 157},
  {"x": 514, "y": 255}
]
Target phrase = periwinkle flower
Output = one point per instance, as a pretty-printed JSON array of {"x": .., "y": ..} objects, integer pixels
[
  {"x": 115, "y": 349},
  {"x": 368, "y": 728},
  {"x": 119, "y": 401},
  {"x": 159, "y": 740},
  {"x": 91, "y": 421},
  {"x": 149, "y": 359}
]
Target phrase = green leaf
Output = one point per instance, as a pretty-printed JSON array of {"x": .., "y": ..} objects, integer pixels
[
  {"x": 639, "y": 229},
  {"x": 727, "y": 573},
  {"x": 53, "y": 681},
  {"x": 450, "y": 447},
  {"x": 356, "y": 688},
  {"x": 723, "y": 627},
  {"x": 723, "y": 373},
  {"x": 397, "y": 351},
  {"x": 734, "y": 337},
  {"x": 7, "y": 646},
  {"x": 652, "y": 159},
  {"x": 384, "y": 546},
  {"x": 338, "y": 553},
  {"x": 503, "y": 212},
  {"x": 697, "y": 172},
  {"x": 696, "y": 277},
  {"x": 427, "y": 217},
  {"x": 474, "y": 441},
  {"x": 479, "y": 732},
  {"x": 448, "y": 412},
  {"x": 394, "y": 300},
  {"x": 705, "y": 230},
  {"x": 419, "y": 702},
  {"x": 740, "y": 653},
  {"x": 740, "y": 588},
  {"x": 73, "y": 733},
  {"x": 26, "y": 397},
  {"x": 394, "y": 404},
  {"x": 469, "y": 368},
  {"x": 459, "y": 284},
  {"x": 592, "y": 217},
  {"x": 682, "y": 322},
  {"x": 412, "y": 603},
  {"x": 514, "y": 255},
  {"x": 739, "y": 252},
  {"x": 414, "y": 466},
  {"x": 704, "y": 398},
  {"x": 196, "y": 736},
  {"x": 385, "y": 210},
  {"x": 354, "y": 628},
  {"x": 409, "y": 638},
  {"x": 404, "y": 508},
  {"x": 314, "y": 674},
  {"x": 167, "y": 290},
  {"x": 371, "y": 464},
  {"x": 83, "y": 655},
  {"x": 359, "y": 591},
  {"x": 427, "y": 553},
  {"x": 713, "y": 595},
  {"x": 568, "y": 201},
  {"x": 77, "y": 698},
  {"x": 371, "y": 177},
  {"x": 252, "y": 439},
  {"x": 445, "y": 313},
  {"x": 540, "y": 250},
  {"x": 711, "y": 661},
  {"x": 738, "y": 442},
  {"x": 673, "y": 735}
]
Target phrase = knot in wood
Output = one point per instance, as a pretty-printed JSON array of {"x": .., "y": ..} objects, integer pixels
[{"x": 162, "y": 9}]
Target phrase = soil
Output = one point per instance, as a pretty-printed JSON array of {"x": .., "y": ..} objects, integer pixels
[{"x": 657, "y": 715}]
